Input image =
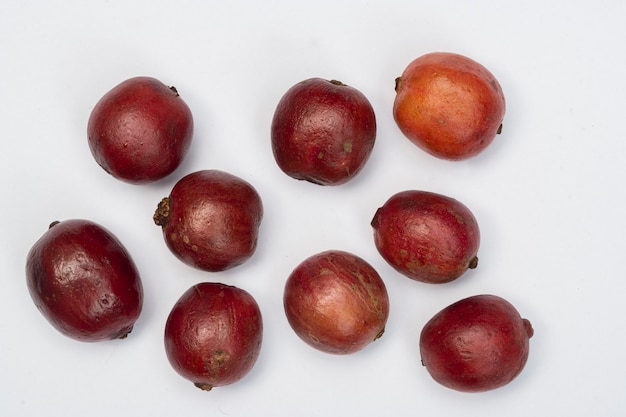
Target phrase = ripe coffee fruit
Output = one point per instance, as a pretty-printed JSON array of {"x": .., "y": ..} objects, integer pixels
[
  {"x": 213, "y": 334},
  {"x": 84, "y": 282},
  {"x": 336, "y": 302},
  {"x": 211, "y": 220},
  {"x": 140, "y": 131},
  {"x": 477, "y": 344},
  {"x": 426, "y": 236},
  {"x": 323, "y": 132},
  {"x": 449, "y": 105}
]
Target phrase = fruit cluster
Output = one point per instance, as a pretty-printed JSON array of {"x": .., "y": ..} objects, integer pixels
[{"x": 86, "y": 284}]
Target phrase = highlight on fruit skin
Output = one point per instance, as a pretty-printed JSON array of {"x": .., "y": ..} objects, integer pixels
[
  {"x": 449, "y": 105},
  {"x": 477, "y": 344},
  {"x": 426, "y": 236},
  {"x": 84, "y": 281}
]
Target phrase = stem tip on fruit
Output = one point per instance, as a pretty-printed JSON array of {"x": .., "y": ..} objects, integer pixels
[
  {"x": 398, "y": 82},
  {"x": 473, "y": 263},
  {"x": 529, "y": 328},
  {"x": 204, "y": 386},
  {"x": 380, "y": 334},
  {"x": 162, "y": 213},
  {"x": 339, "y": 83}
]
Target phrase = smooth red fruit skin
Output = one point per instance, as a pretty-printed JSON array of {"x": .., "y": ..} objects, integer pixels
[
  {"x": 336, "y": 302},
  {"x": 323, "y": 132},
  {"x": 449, "y": 105},
  {"x": 477, "y": 344},
  {"x": 84, "y": 282},
  {"x": 140, "y": 131},
  {"x": 211, "y": 220},
  {"x": 426, "y": 236},
  {"x": 213, "y": 334}
]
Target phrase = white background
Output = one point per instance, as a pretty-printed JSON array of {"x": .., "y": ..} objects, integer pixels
[{"x": 548, "y": 195}]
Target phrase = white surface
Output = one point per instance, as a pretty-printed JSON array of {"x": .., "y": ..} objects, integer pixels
[{"x": 548, "y": 195}]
